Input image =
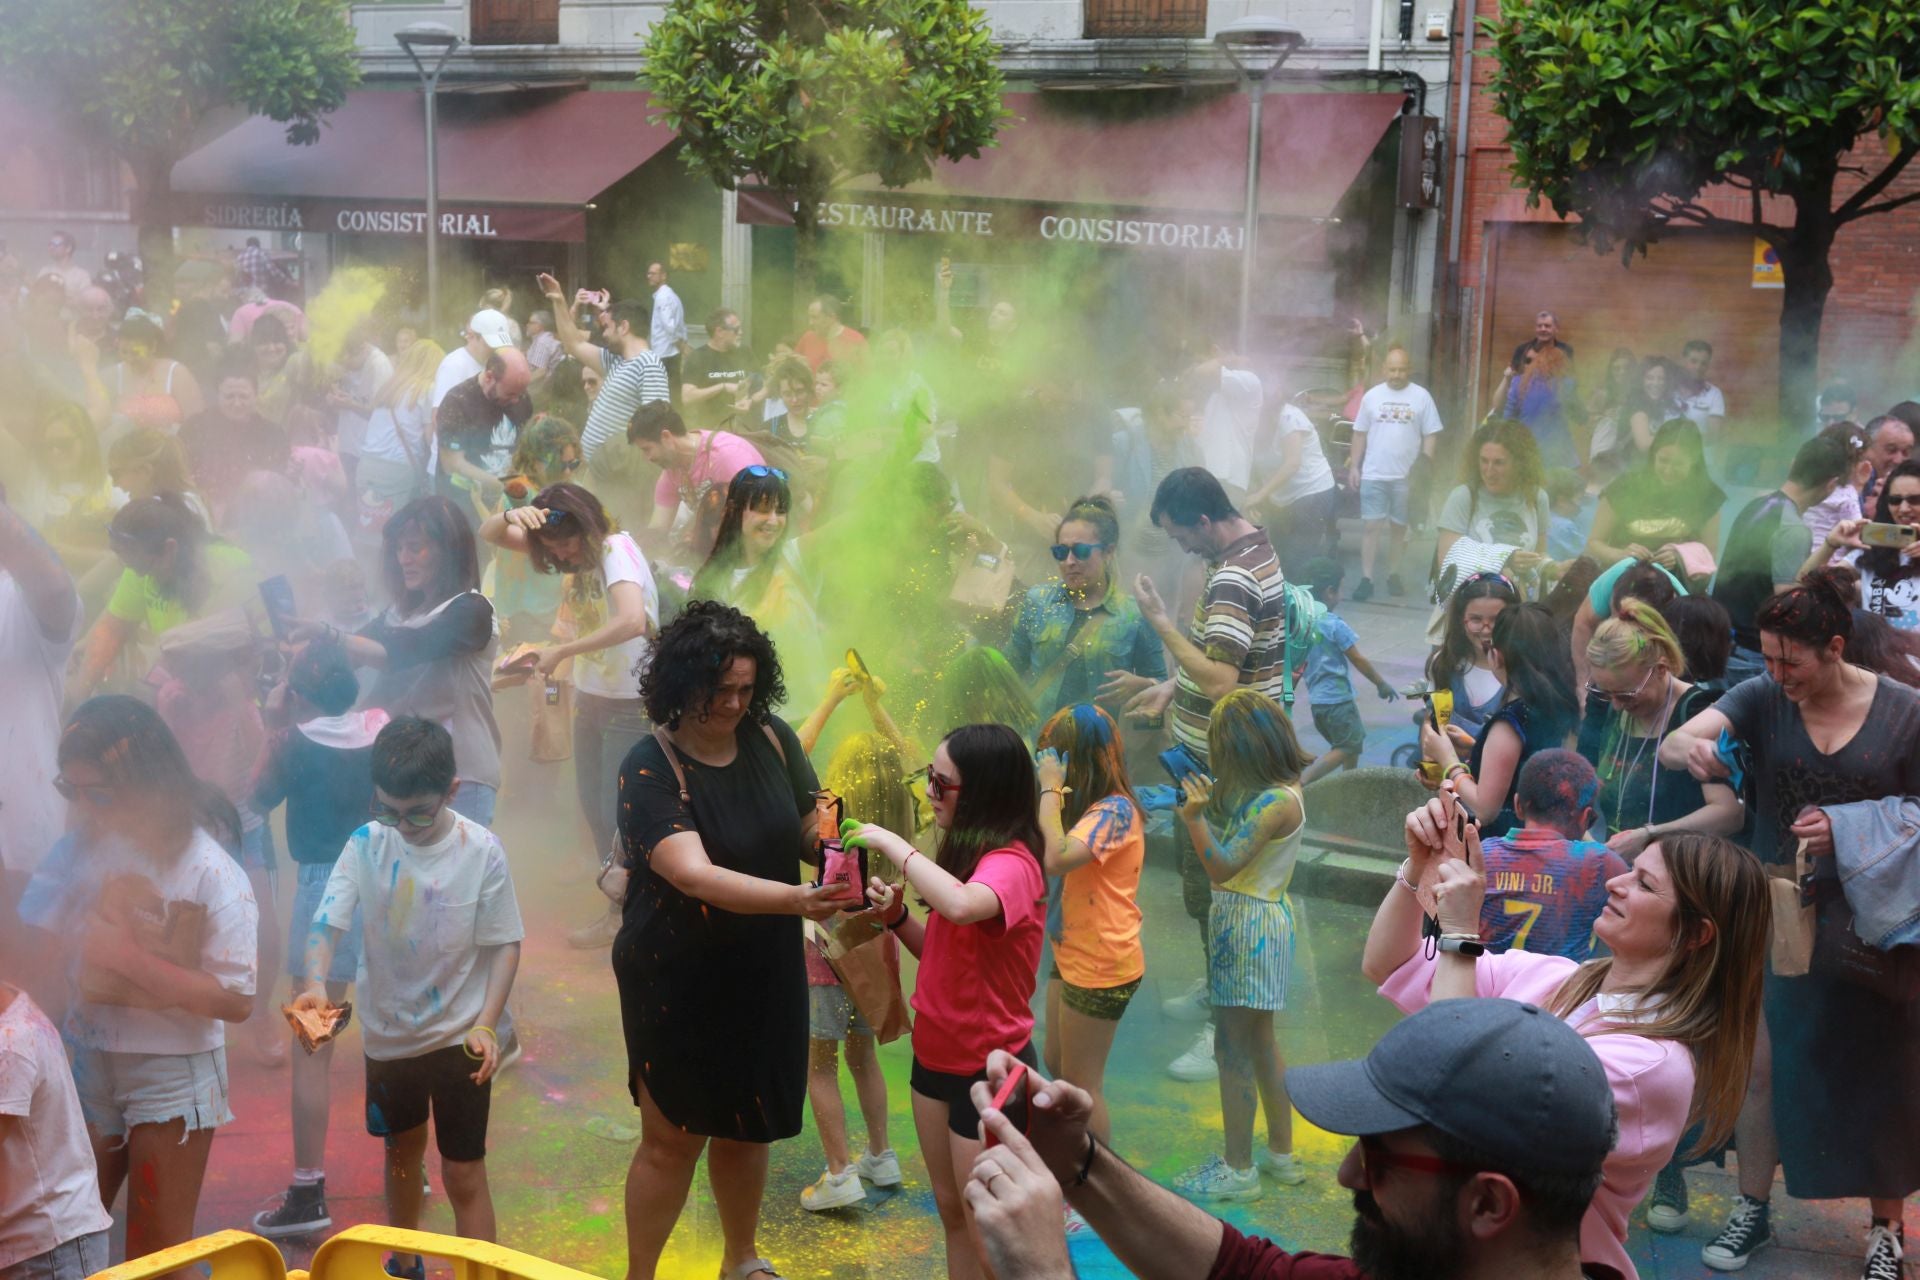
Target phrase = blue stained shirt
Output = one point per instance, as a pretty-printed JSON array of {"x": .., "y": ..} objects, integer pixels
[
  {"x": 1045, "y": 629},
  {"x": 1327, "y": 682}
]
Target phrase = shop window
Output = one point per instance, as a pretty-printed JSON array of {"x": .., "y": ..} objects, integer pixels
[
  {"x": 1145, "y": 18},
  {"x": 516, "y": 21}
]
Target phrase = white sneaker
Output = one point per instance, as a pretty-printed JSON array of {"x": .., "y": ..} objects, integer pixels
[
  {"x": 1190, "y": 1005},
  {"x": 1281, "y": 1167},
  {"x": 882, "y": 1170},
  {"x": 834, "y": 1190},
  {"x": 1197, "y": 1062},
  {"x": 1218, "y": 1180}
]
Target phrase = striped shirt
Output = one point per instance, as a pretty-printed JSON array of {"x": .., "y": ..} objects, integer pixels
[
  {"x": 631, "y": 381},
  {"x": 1240, "y": 619}
]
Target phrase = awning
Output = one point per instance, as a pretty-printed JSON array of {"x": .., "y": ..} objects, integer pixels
[
  {"x": 1174, "y": 179},
  {"x": 513, "y": 166}
]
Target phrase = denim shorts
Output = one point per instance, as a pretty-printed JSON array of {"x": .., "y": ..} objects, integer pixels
[
  {"x": 832, "y": 1014},
  {"x": 75, "y": 1259},
  {"x": 1384, "y": 500},
  {"x": 120, "y": 1090},
  {"x": 256, "y": 847},
  {"x": 306, "y": 900},
  {"x": 1339, "y": 723},
  {"x": 474, "y": 801}
]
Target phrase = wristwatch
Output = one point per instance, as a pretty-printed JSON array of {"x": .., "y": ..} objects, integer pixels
[{"x": 1472, "y": 948}]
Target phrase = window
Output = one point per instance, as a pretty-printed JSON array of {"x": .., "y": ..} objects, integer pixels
[
  {"x": 516, "y": 21},
  {"x": 1146, "y": 18}
]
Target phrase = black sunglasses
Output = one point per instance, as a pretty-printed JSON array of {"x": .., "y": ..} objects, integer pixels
[{"x": 1079, "y": 550}]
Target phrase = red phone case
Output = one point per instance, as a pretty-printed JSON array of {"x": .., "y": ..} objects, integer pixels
[{"x": 1016, "y": 1081}]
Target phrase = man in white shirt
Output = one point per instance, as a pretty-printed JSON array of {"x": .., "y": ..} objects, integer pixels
[
  {"x": 362, "y": 371},
  {"x": 487, "y": 332},
  {"x": 1701, "y": 402},
  {"x": 668, "y": 332},
  {"x": 1397, "y": 422},
  {"x": 1229, "y": 420}
]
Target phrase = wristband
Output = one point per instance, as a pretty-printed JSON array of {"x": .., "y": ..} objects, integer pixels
[
  {"x": 895, "y": 924},
  {"x": 1086, "y": 1165},
  {"x": 479, "y": 1057},
  {"x": 1055, "y": 791},
  {"x": 1455, "y": 768}
]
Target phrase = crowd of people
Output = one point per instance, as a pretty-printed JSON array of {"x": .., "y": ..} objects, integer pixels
[{"x": 262, "y": 581}]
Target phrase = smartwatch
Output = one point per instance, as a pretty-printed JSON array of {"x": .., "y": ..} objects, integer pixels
[{"x": 1472, "y": 948}]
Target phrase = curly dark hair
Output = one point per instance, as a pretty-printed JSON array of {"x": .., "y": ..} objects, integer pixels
[{"x": 691, "y": 652}]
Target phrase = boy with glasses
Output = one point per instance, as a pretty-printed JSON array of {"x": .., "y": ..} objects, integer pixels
[{"x": 440, "y": 938}]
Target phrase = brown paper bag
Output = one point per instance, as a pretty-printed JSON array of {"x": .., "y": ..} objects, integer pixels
[
  {"x": 173, "y": 931},
  {"x": 1793, "y": 921},
  {"x": 869, "y": 972},
  {"x": 985, "y": 581},
  {"x": 552, "y": 718}
]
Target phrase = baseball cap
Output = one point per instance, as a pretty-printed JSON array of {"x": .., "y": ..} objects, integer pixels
[
  {"x": 493, "y": 327},
  {"x": 1506, "y": 1078}
]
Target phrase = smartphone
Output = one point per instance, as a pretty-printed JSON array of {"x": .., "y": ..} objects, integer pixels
[
  {"x": 1875, "y": 534},
  {"x": 1010, "y": 1100},
  {"x": 277, "y": 594},
  {"x": 1453, "y": 840}
]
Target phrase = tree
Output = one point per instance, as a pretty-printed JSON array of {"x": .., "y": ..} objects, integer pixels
[
  {"x": 802, "y": 94},
  {"x": 141, "y": 77},
  {"x": 1623, "y": 111}
]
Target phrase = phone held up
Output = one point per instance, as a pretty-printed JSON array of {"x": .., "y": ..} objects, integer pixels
[
  {"x": 1897, "y": 536},
  {"x": 1012, "y": 1100}
]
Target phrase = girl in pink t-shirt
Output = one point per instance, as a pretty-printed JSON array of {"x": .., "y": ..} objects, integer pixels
[
  {"x": 1671, "y": 1013},
  {"x": 979, "y": 949}
]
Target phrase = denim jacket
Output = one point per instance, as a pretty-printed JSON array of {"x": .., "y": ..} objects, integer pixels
[
  {"x": 1124, "y": 642},
  {"x": 1876, "y": 846}
]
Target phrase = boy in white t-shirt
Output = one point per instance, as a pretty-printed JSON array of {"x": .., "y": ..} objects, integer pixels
[
  {"x": 1397, "y": 422},
  {"x": 52, "y": 1224},
  {"x": 440, "y": 944}
]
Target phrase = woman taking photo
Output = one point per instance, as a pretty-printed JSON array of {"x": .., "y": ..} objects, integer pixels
[
  {"x": 1536, "y": 712},
  {"x": 1246, "y": 823},
  {"x": 1831, "y": 1097},
  {"x": 1636, "y": 667},
  {"x": 1096, "y": 844},
  {"x": 1889, "y": 576},
  {"x": 1671, "y": 1013},
  {"x": 1499, "y": 509},
  {"x": 713, "y": 988},
  {"x": 1650, "y": 510},
  {"x": 1463, "y": 664},
  {"x": 145, "y": 1030},
  {"x": 1083, "y": 637},
  {"x": 434, "y": 644},
  {"x": 392, "y": 470},
  {"x": 979, "y": 949}
]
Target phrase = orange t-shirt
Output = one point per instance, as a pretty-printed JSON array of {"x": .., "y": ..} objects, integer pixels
[{"x": 1099, "y": 916}]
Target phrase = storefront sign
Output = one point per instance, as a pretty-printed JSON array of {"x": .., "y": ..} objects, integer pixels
[
  {"x": 853, "y": 216},
  {"x": 500, "y": 222},
  {"x": 1141, "y": 233}
]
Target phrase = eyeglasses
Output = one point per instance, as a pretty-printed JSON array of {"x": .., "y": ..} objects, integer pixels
[
  {"x": 554, "y": 464},
  {"x": 97, "y": 797},
  {"x": 938, "y": 786},
  {"x": 759, "y": 472},
  {"x": 1377, "y": 1158},
  {"x": 1616, "y": 696},
  {"x": 390, "y": 817},
  {"x": 1079, "y": 550}
]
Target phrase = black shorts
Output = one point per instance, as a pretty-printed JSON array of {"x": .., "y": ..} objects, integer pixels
[
  {"x": 957, "y": 1091},
  {"x": 402, "y": 1091}
]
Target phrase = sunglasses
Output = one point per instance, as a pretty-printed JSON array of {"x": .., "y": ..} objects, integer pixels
[
  {"x": 97, "y": 797},
  {"x": 390, "y": 817},
  {"x": 938, "y": 786},
  {"x": 1079, "y": 550},
  {"x": 1376, "y": 1159},
  {"x": 760, "y": 472},
  {"x": 1616, "y": 696},
  {"x": 1903, "y": 500}
]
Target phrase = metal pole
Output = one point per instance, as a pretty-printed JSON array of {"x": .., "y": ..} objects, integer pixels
[
  {"x": 430, "y": 87},
  {"x": 1250, "y": 235}
]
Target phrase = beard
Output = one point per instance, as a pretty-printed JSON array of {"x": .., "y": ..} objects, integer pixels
[{"x": 1430, "y": 1248}]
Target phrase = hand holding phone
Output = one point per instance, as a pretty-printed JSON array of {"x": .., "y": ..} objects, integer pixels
[{"x": 1012, "y": 1100}]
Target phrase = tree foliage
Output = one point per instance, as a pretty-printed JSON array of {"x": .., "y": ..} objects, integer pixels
[
  {"x": 799, "y": 95},
  {"x": 1623, "y": 111}
]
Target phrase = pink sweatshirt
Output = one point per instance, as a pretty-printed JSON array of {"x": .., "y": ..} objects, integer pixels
[{"x": 1652, "y": 1083}]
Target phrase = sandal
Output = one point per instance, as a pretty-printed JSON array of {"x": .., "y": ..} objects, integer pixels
[{"x": 751, "y": 1267}]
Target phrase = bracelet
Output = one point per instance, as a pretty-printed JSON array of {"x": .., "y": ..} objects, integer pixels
[
  {"x": 1086, "y": 1165},
  {"x": 1056, "y": 791},
  {"x": 491, "y": 1033},
  {"x": 903, "y": 864},
  {"x": 1400, "y": 876},
  {"x": 1455, "y": 767}
]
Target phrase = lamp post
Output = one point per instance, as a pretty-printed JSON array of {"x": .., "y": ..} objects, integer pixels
[
  {"x": 430, "y": 36},
  {"x": 1256, "y": 46}
]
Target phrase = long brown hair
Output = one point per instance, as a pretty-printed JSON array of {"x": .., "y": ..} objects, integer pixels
[
  {"x": 1709, "y": 996},
  {"x": 1096, "y": 758}
]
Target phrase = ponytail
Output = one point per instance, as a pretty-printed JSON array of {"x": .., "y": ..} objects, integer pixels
[{"x": 1813, "y": 610}]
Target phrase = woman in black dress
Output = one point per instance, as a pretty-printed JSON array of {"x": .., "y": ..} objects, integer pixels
[{"x": 713, "y": 988}]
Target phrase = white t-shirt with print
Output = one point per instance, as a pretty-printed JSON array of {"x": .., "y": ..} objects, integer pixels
[
  {"x": 72, "y": 880},
  {"x": 427, "y": 914},
  {"x": 32, "y": 674},
  {"x": 49, "y": 1189},
  {"x": 1395, "y": 423},
  {"x": 1703, "y": 406},
  {"x": 614, "y": 672}
]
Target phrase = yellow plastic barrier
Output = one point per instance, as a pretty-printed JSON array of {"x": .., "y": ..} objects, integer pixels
[
  {"x": 359, "y": 1253},
  {"x": 232, "y": 1255}
]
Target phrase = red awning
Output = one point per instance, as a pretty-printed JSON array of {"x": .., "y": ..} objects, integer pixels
[
  {"x": 1191, "y": 160},
  {"x": 512, "y": 165}
]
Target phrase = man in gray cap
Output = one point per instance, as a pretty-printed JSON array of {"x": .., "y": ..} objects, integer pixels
[{"x": 1481, "y": 1125}]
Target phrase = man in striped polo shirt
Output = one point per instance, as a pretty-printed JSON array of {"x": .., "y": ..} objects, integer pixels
[{"x": 1237, "y": 638}]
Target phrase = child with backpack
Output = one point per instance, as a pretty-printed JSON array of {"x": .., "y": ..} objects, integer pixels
[{"x": 1329, "y": 692}]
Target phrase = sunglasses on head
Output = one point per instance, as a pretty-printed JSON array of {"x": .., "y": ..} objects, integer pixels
[
  {"x": 760, "y": 472},
  {"x": 1078, "y": 550},
  {"x": 556, "y": 519}
]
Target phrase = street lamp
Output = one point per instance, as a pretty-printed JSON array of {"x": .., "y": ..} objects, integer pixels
[
  {"x": 1256, "y": 45},
  {"x": 430, "y": 36}
]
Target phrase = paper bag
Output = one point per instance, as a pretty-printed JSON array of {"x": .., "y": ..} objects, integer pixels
[
  {"x": 985, "y": 581},
  {"x": 552, "y": 719},
  {"x": 516, "y": 668},
  {"x": 173, "y": 931},
  {"x": 870, "y": 975}
]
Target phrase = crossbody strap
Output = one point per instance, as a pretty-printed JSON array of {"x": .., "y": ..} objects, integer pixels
[{"x": 680, "y": 774}]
